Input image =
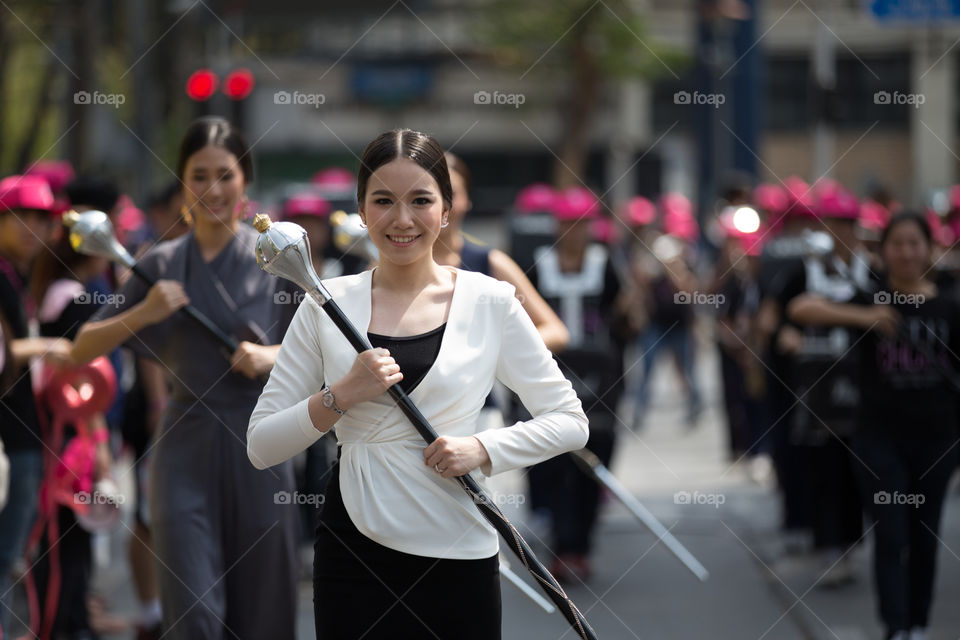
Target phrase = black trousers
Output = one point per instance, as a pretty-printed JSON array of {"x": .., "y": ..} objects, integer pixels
[
  {"x": 904, "y": 482},
  {"x": 75, "y": 557},
  {"x": 838, "y": 518},
  {"x": 364, "y": 589}
]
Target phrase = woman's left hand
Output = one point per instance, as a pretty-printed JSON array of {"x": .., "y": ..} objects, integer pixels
[
  {"x": 452, "y": 457},
  {"x": 253, "y": 360}
]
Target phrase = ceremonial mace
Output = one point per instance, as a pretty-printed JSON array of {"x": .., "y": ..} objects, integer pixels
[
  {"x": 284, "y": 251},
  {"x": 91, "y": 233},
  {"x": 351, "y": 237}
]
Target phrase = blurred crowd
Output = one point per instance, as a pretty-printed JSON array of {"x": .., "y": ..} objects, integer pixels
[{"x": 836, "y": 365}]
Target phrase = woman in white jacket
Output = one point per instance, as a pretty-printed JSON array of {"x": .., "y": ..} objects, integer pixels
[{"x": 401, "y": 551}]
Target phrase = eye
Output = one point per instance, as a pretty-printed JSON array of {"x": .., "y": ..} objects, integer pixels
[
  {"x": 421, "y": 201},
  {"x": 382, "y": 201}
]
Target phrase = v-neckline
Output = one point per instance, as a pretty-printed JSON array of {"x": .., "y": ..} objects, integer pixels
[{"x": 458, "y": 273}]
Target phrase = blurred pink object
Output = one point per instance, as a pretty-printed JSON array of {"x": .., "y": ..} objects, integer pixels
[
  {"x": 605, "y": 230},
  {"x": 640, "y": 211},
  {"x": 130, "y": 217},
  {"x": 834, "y": 201},
  {"x": 57, "y": 173},
  {"x": 306, "y": 204},
  {"x": 25, "y": 192},
  {"x": 678, "y": 220},
  {"x": 771, "y": 197},
  {"x": 536, "y": 198},
  {"x": 334, "y": 177},
  {"x": 873, "y": 216},
  {"x": 953, "y": 194},
  {"x": 799, "y": 198},
  {"x": 576, "y": 203}
]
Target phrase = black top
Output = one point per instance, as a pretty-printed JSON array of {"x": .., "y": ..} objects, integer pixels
[
  {"x": 19, "y": 428},
  {"x": 905, "y": 389},
  {"x": 475, "y": 257},
  {"x": 414, "y": 354}
]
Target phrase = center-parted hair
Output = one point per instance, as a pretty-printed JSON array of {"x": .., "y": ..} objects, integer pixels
[
  {"x": 216, "y": 131},
  {"x": 405, "y": 143}
]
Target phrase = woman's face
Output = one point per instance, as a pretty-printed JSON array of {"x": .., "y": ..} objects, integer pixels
[
  {"x": 461, "y": 199},
  {"x": 214, "y": 185},
  {"x": 403, "y": 211},
  {"x": 906, "y": 252}
]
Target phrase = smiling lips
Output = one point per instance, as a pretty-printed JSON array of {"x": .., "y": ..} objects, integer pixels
[{"x": 402, "y": 241}]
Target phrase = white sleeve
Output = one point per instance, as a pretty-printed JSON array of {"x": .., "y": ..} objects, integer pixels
[
  {"x": 526, "y": 366},
  {"x": 280, "y": 425}
]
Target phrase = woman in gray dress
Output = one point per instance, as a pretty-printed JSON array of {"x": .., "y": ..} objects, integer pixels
[{"x": 223, "y": 538}]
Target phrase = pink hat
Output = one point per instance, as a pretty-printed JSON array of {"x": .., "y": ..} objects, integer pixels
[
  {"x": 799, "y": 199},
  {"x": 306, "y": 204},
  {"x": 771, "y": 197},
  {"x": 873, "y": 216},
  {"x": 536, "y": 198},
  {"x": 678, "y": 220},
  {"x": 25, "y": 192},
  {"x": 57, "y": 173},
  {"x": 334, "y": 178},
  {"x": 575, "y": 203},
  {"x": 640, "y": 211},
  {"x": 130, "y": 217},
  {"x": 834, "y": 201}
]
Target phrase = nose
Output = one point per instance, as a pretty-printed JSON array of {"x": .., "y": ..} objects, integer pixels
[{"x": 404, "y": 216}]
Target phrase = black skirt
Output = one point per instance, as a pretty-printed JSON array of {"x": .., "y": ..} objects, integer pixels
[{"x": 362, "y": 589}]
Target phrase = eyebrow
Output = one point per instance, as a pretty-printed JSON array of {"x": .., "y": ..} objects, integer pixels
[{"x": 417, "y": 192}]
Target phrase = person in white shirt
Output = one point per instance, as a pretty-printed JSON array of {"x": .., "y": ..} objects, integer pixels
[{"x": 402, "y": 552}]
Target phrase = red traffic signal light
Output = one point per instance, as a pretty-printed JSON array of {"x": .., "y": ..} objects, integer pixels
[
  {"x": 238, "y": 84},
  {"x": 202, "y": 84}
]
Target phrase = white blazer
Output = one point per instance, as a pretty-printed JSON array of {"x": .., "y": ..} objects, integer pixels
[{"x": 389, "y": 493}]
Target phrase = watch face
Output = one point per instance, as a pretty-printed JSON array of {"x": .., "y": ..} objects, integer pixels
[{"x": 327, "y": 399}]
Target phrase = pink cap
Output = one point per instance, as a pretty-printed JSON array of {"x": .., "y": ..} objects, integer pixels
[
  {"x": 771, "y": 197},
  {"x": 536, "y": 198},
  {"x": 678, "y": 220},
  {"x": 799, "y": 198},
  {"x": 576, "y": 203},
  {"x": 57, "y": 173},
  {"x": 873, "y": 216},
  {"x": 306, "y": 204},
  {"x": 640, "y": 211},
  {"x": 130, "y": 217},
  {"x": 25, "y": 192},
  {"x": 834, "y": 201},
  {"x": 334, "y": 177}
]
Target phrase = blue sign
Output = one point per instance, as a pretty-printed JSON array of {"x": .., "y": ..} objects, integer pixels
[{"x": 915, "y": 10}]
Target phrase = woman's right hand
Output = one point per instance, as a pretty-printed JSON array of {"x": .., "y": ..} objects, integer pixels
[
  {"x": 882, "y": 318},
  {"x": 163, "y": 300},
  {"x": 373, "y": 372}
]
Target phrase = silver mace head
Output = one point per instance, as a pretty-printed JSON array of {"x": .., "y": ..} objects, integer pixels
[
  {"x": 91, "y": 233},
  {"x": 283, "y": 250},
  {"x": 350, "y": 236}
]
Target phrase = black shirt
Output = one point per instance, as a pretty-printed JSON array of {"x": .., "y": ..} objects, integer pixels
[
  {"x": 19, "y": 427},
  {"x": 904, "y": 387},
  {"x": 414, "y": 354}
]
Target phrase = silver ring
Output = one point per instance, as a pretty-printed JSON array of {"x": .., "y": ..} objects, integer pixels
[{"x": 437, "y": 467}]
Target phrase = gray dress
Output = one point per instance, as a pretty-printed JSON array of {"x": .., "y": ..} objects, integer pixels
[{"x": 227, "y": 548}]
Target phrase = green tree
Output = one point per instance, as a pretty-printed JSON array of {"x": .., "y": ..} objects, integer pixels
[{"x": 584, "y": 46}]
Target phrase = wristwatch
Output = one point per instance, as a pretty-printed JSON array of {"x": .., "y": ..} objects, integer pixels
[{"x": 329, "y": 400}]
